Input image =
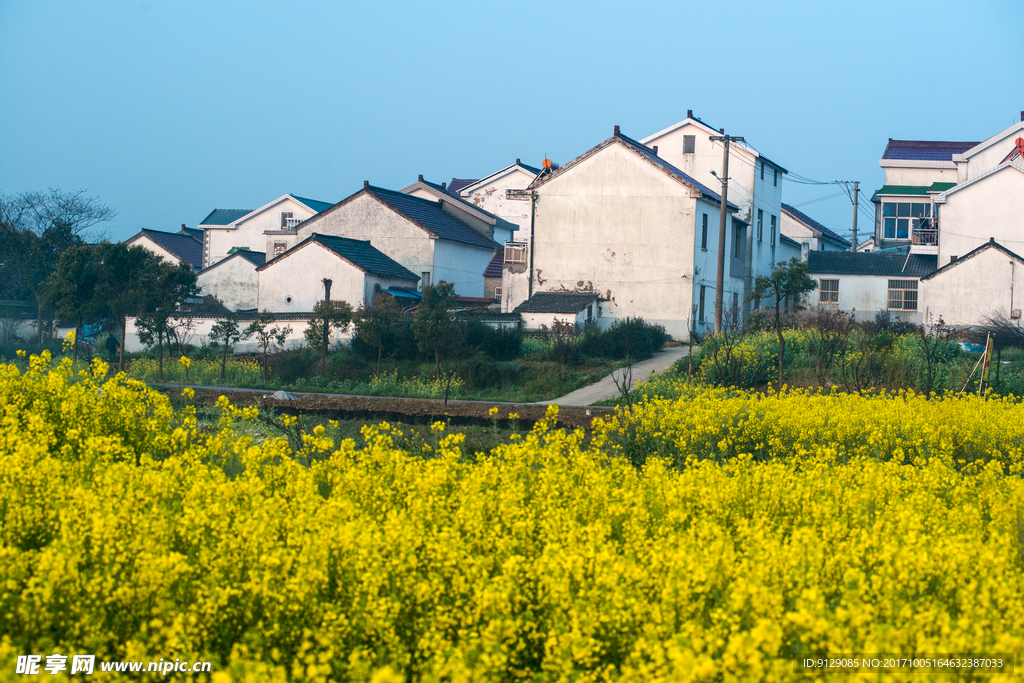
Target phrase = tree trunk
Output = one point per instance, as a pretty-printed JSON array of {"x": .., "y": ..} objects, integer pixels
[
  {"x": 265, "y": 363},
  {"x": 160, "y": 351},
  {"x": 124, "y": 332},
  {"x": 78, "y": 333},
  {"x": 437, "y": 363},
  {"x": 782, "y": 340},
  {"x": 379, "y": 345},
  {"x": 224, "y": 359}
]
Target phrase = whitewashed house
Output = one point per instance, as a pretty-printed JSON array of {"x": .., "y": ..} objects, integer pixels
[
  {"x": 755, "y": 186},
  {"x": 294, "y": 281},
  {"x": 435, "y": 239},
  {"x": 868, "y": 283},
  {"x": 489, "y": 193},
  {"x": 803, "y": 229},
  {"x": 954, "y": 222},
  {"x": 486, "y": 222},
  {"x": 173, "y": 247},
  {"x": 542, "y": 309},
  {"x": 622, "y": 224},
  {"x": 256, "y": 230},
  {"x": 234, "y": 280}
]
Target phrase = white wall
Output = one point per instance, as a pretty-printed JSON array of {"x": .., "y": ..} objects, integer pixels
[
  {"x": 865, "y": 296},
  {"x": 249, "y": 231},
  {"x": 989, "y": 283},
  {"x": 365, "y": 218},
  {"x": 200, "y": 332},
  {"x": 535, "y": 321},
  {"x": 618, "y": 226},
  {"x": 987, "y": 159},
  {"x": 234, "y": 281},
  {"x": 990, "y": 207},
  {"x": 462, "y": 265},
  {"x": 491, "y": 197},
  {"x": 149, "y": 245},
  {"x": 921, "y": 177}
]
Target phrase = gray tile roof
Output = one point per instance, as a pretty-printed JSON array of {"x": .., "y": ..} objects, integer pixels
[
  {"x": 557, "y": 302},
  {"x": 493, "y": 268},
  {"x": 183, "y": 246},
  {"x": 363, "y": 255},
  {"x": 257, "y": 258},
  {"x": 459, "y": 184},
  {"x": 488, "y": 216},
  {"x": 194, "y": 233},
  {"x": 868, "y": 263},
  {"x": 810, "y": 222},
  {"x": 925, "y": 150},
  {"x": 971, "y": 254},
  {"x": 431, "y": 216},
  {"x": 224, "y": 216}
]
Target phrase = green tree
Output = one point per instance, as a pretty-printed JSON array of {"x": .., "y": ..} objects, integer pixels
[
  {"x": 432, "y": 324},
  {"x": 377, "y": 323},
  {"x": 327, "y": 315},
  {"x": 169, "y": 287},
  {"x": 787, "y": 281},
  {"x": 267, "y": 335},
  {"x": 71, "y": 289},
  {"x": 226, "y": 331},
  {"x": 124, "y": 276}
]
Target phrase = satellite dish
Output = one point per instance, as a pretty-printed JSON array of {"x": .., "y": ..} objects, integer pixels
[{"x": 547, "y": 164}]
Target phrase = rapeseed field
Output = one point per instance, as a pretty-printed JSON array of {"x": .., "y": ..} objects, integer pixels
[{"x": 711, "y": 536}]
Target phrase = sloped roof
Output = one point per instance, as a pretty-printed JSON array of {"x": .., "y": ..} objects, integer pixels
[
  {"x": 788, "y": 240},
  {"x": 645, "y": 153},
  {"x": 431, "y": 216},
  {"x": 557, "y": 302},
  {"x": 359, "y": 253},
  {"x": 194, "y": 233},
  {"x": 915, "y": 190},
  {"x": 814, "y": 225},
  {"x": 444, "y": 193},
  {"x": 941, "y": 187},
  {"x": 314, "y": 204},
  {"x": 991, "y": 244},
  {"x": 459, "y": 184},
  {"x": 257, "y": 258},
  {"x": 869, "y": 263},
  {"x": 493, "y": 268},
  {"x": 183, "y": 246},
  {"x": 925, "y": 150},
  {"x": 224, "y": 216}
]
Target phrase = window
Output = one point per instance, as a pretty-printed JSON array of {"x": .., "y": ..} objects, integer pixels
[
  {"x": 737, "y": 248},
  {"x": 775, "y": 177},
  {"x": 900, "y": 217},
  {"x": 704, "y": 234},
  {"x": 821, "y": 246},
  {"x": 515, "y": 252},
  {"x": 760, "y": 223},
  {"x": 424, "y": 279},
  {"x": 700, "y": 310},
  {"x": 590, "y": 312},
  {"x": 902, "y": 295},
  {"x": 735, "y": 309},
  {"x": 762, "y": 170},
  {"x": 280, "y": 248},
  {"x": 287, "y": 219},
  {"x": 773, "y": 231},
  {"x": 497, "y": 292},
  {"x": 828, "y": 292},
  {"x": 338, "y": 304},
  {"x": 689, "y": 144}
]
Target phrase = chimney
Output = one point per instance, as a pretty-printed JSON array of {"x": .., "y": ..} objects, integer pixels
[
  {"x": 443, "y": 186},
  {"x": 616, "y": 130},
  {"x": 366, "y": 184},
  {"x": 519, "y": 163},
  {"x": 421, "y": 177},
  {"x": 655, "y": 150},
  {"x": 183, "y": 225},
  {"x": 689, "y": 113},
  {"x": 721, "y": 131}
]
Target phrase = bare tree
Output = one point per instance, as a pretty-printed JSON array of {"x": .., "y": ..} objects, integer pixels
[
  {"x": 73, "y": 209},
  {"x": 623, "y": 380}
]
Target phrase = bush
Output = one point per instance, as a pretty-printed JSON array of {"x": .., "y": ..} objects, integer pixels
[
  {"x": 503, "y": 343},
  {"x": 632, "y": 338}
]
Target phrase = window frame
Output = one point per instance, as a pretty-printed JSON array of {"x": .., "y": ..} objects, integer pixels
[
  {"x": 704, "y": 234},
  {"x": 905, "y": 302},
  {"x": 692, "y": 140},
  {"x": 832, "y": 292},
  {"x": 700, "y": 308},
  {"x": 760, "y": 224},
  {"x": 774, "y": 224}
]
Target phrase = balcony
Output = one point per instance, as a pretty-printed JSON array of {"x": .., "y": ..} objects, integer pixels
[{"x": 924, "y": 239}]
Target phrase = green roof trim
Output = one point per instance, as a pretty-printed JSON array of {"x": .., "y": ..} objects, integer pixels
[
  {"x": 904, "y": 189},
  {"x": 941, "y": 187}
]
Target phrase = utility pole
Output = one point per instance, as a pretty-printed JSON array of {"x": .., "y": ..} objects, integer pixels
[
  {"x": 856, "y": 197},
  {"x": 720, "y": 281}
]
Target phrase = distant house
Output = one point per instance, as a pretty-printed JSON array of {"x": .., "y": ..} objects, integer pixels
[
  {"x": 489, "y": 192},
  {"x": 264, "y": 229},
  {"x": 294, "y": 281},
  {"x": 434, "y": 238},
  {"x": 173, "y": 247},
  {"x": 868, "y": 283},
  {"x": 805, "y": 230},
  {"x": 234, "y": 279},
  {"x": 543, "y": 308},
  {"x": 495, "y": 227},
  {"x": 621, "y": 223},
  {"x": 492, "y": 276},
  {"x": 986, "y": 282}
]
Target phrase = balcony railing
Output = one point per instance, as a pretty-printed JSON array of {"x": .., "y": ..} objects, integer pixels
[{"x": 928, "y": 237}]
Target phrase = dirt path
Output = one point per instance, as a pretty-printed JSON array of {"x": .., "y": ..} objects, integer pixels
[{"x": 605, "y": 389}]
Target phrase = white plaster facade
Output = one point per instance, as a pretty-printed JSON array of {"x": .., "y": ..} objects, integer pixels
[
  {"x": 799, "y": 230},
  {"x": 864, "y": 296},
  {"x": 249, "y": 231},
  {"x": 473, "y": 214},
  {"x": 616, "y": 224},
  {"x": 989, "y": 282},
  {"x": 365, "y": 217},
  {"x": 144, "y": 241},
  {"x": 234, "y": 281},
  {"x": 294, "y": 282},
  {"x": 989, "y": 206},
  {"x": 200, "y": 334},
  {"x": 489, "y": 193}
]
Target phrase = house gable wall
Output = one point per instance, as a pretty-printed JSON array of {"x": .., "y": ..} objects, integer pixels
[
  {"x": 248, "y": 232},
  {"x": 149, "y": 245},
  {"x": 988, "y": 283},
  {"x": 490, "y": 196},
  {"x": 865, "y": 296},
  {"x": 989, "y": 208},
  {"x": 617, "y": 225},
  {"x": 234, "y": 282},
  {"x": 985, "y": 160}
]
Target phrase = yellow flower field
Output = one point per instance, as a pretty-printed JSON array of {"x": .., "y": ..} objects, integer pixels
[{"x": 714, "y": 536}]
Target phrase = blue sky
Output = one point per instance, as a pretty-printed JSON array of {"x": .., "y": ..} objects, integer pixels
[{"x": 166, "y": 110}]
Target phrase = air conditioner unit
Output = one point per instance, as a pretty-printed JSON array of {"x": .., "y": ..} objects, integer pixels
[{"x": 1015, "y": 314}]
